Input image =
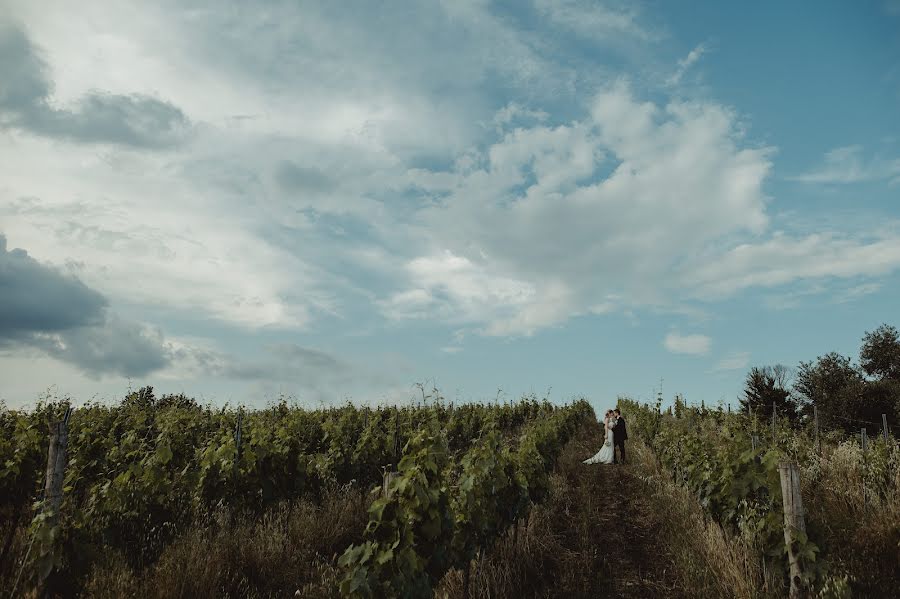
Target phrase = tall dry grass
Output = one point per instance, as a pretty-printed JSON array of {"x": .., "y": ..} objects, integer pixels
[
  {"x": 572, "y": 545},
  {"x": 709, "y": 562},
  {"x": 292, "y": 547},
  {"x": 852, "y": 502}
]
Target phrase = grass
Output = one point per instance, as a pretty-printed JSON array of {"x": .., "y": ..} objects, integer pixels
[
  {"x": 592, "y": 537},
  {"x": 292, "y": 548}
]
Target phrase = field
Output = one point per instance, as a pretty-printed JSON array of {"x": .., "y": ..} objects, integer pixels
[{"x": 163, "y": 497}]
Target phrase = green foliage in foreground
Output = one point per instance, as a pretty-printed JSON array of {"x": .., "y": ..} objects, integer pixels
[
  {"x": 712, "y": 453},
  {"x": 143, "y": 471},
  {"x": 438, "y": 513}
]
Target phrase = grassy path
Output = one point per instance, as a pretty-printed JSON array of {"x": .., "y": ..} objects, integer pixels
[
  {"x": 593, "y": 537},
  {"x": 613, "y": 525}
]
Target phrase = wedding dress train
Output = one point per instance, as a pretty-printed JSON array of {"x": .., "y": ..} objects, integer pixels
[{"x": 606, "y": 455}]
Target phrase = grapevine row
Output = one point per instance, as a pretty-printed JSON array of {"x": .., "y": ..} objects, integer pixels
[
  {"x": 142, "y": 471},
  {"x": 437, "y": 514}
]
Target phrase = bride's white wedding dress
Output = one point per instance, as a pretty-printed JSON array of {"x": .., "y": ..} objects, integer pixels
[{"x": 606, "y": 454}]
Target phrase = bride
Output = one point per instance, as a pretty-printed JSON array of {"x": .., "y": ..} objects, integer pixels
[{"x": 606, "y": 453}]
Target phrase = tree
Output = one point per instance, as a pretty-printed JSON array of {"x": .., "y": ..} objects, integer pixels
[
  {"x": 766, "y": 387},
  {"x": 679, "y": 406},
  {"x": 827, "y": 384},
  {"x": 880, "y": 353}
]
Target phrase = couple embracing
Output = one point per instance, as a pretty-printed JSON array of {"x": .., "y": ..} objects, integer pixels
[{"x": 615, "y": 437}]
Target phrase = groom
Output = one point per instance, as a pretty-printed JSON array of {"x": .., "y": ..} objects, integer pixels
[{"x": 620, "y": 434}]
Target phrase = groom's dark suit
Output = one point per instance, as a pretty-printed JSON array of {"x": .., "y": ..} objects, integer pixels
[{"x": 620, "y": 434}]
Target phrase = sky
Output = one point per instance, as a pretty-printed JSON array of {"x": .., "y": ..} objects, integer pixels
[{"x": 337, "y": 201}]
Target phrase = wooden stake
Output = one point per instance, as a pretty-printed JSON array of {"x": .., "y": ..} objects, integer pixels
[
  {"x": 816, "y": 422},
  {"x": 864, "y": 443},
  {"x": 386, "y": 483},
  {"x": 774, "y": 440},
  {"x": 884, "y": 429},
  {"x": 793, "y": 521},
  {"x": 237, "y": 434},
  {"x": 56, "y": 466}
]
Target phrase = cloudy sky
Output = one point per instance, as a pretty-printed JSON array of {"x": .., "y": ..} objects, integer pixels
[{"x": 336, "y": 200}]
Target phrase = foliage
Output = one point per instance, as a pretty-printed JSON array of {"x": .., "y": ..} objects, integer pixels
[
  {"x": 880, "y": 353},
  {"x": 822, "y": 384},
  {"x": 437, "y": 513},
  {"x": 142, "y": 471},
  {"x": 766, "y": 388},
  {"x": 712, "y": 453},
  {"x": 845, "y": 394}
]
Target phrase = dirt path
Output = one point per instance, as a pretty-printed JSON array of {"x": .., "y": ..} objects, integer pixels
[
  {"x": 592, "y": 537},
  {"x": 610, "y": 526}
]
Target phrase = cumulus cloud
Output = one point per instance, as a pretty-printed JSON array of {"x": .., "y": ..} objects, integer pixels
[
  {"x": 687, "y": 344},
  {"x": 307, "y": 370},
  {"x": 26, "y": 103},
  {"x": 45, "y": 309},
  {"x": 115, "y": 347},
  {"x": 550, "y": 222},
  {"x": 784, "y": 259},
  {"x": 58, "y": 314},
  {"x": 638, "y": 204},
  {"x": 35, "y": 298},
  {"x": 503, "y": 193}
]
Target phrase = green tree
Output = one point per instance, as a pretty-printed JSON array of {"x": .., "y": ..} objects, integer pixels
[
  {"x": 679, "y": 406},
  {"x": 880, "y": 353},
  {"x": 827, "y": 384},
  {"x": 766, "y": 387}
]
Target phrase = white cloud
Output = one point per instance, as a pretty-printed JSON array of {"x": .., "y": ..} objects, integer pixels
[
  {"x": 857, "y": 291},
  {"x": 848, "y": 165},
  {"x": 455, "y": 289},
  {"x": 331, "y": 163},
  {"x": 685, "y": 63},
  {"x": 687, "y": 344},
  {"x": 587, "y": 216},
  {"x": 595, "y": 20},
  {"x": 734, "y": 361},
  {"x": 784, "y": 259}
]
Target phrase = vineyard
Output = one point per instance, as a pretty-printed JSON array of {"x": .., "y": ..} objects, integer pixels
[
  {"x": 729, "y": 465},
  {"x": 442, "y": 483},
  {"x": 164, "y": 497}
]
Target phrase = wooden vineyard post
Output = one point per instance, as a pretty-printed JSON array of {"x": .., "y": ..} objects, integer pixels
[
  {"x": 56, "y": 466},
  {"x": 386, "y": 483},
  {"x": 816, "y": 425},
  {"x": 864, "y": 443},
  {"x": 55, "y": 475},
  {"x": 774, "y": 440},
  {"x": 237, "y": 434},
  {"x": 397, "y": 443},
  {"x": 884, "y": 428},
  {"x": 467, "y": 580},
  {"x": 793, "y": 520},
  {"x": 754, "y": 440}
]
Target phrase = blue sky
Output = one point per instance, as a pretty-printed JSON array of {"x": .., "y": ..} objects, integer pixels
[{"x": 341, "y": 200}]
